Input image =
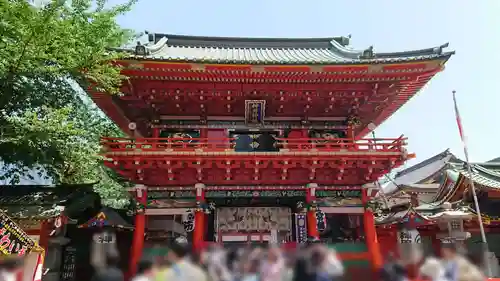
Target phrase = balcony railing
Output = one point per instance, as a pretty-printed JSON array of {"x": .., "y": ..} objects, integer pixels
[{"x": 227, "y": 144}]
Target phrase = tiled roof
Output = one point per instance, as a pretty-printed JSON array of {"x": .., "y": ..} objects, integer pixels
[
  {"x": 273, "y": 51},
  {"x": 426, "y": 162},
  {"x": 110, "y": 217},
  {"x": 27, "y": 201},
  {"x": 31, "y": 211},
  {"x": 425, "y": 212},
  {"x": 494, "y": 160},
  {"x": 420, "y": 172},
  {"x": 482, "y": 176}
]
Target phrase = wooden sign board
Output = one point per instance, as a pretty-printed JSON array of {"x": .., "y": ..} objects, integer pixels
[{"x": 13, "y": 240}]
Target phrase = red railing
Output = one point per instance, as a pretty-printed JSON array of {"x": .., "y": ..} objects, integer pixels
[
  {"x": 162, "y": 144},
  {"x": 380, "y": 145},
  {"x": 224, "y": 144}
]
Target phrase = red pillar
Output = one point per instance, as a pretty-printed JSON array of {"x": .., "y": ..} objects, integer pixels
[
  {"x": 350, "y": 137},
  {"x": 45, "y": 228},
  {"x": 350, "y": 132},
  {"x": 312, "y": 226},
  {"x": 156, "y": 132},
  {"x": 139, "y": 230},
  {"x": 204, "y": 133},
  {"x": 199, "y": 219},
  {"x": 371, "y": 234},
  {"x": 436, "y": 244}
]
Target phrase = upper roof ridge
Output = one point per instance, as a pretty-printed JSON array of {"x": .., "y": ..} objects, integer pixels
[{"x": 247, "y": 42}]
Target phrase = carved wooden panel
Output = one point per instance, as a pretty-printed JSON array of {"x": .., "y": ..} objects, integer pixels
[{"x": 235, "y": 219}]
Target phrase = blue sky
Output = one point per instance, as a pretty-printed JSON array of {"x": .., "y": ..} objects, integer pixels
[{"x": 428, "y": 120}]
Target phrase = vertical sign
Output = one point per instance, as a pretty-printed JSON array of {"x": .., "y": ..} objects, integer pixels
[
  {"x": 300, "y": 228},
  {"x": 188, "y": 221},
  {"x": 13, "y": 240}
]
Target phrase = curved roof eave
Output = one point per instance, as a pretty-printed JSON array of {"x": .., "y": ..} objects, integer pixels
[
  {"x": 346, "y": 52},
  {"x": 354, "y": 54},
  {"x": 400, "y": 216},
  {"x": 418, "y": 172},
  {"x": 419, "y": 52},
  {"x": 158, "y": 45}
]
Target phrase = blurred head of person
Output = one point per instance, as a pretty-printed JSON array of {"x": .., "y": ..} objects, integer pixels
[
  {"x": 274, "y": 254},
  {"x": 177, "y": 251},
  {"x": 318, "y": 256},
  {"x": 12, "y": 264},
  {"x": 448, "y": 250},
  {"x": 145, "y": 267},
  {"x": 251, "y": 266}
]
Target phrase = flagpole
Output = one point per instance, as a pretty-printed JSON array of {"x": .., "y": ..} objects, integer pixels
[
  {"x": 471, "y": 182},
  {"x": 469, "y": 170}
]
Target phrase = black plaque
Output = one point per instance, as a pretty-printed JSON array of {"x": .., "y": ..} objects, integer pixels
[{"x": 69, "y": 264}]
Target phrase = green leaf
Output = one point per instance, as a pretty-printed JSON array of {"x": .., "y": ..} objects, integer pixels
[{"x": 47, "y": 123}]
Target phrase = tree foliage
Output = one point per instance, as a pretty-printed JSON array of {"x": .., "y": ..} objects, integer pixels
[{"x": 47, "y": 124}]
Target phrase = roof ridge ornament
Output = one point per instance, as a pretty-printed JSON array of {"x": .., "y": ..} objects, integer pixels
[
  {"x": 439, "y": 50},
  {"x": 368, "y": 53},
  {"x": 140, "y": 50},
  {"x": 343, "y": 40}
]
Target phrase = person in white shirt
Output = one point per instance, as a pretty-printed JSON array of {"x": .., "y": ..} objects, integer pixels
[
  {"x": 182, "y": 269},
  {"x": 432, "y": 269}
]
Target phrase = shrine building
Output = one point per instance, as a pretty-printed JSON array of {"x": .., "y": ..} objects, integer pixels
[{"x": 233, "y": 140}]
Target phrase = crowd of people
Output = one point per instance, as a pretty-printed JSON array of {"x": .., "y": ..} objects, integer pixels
[
  {"x": 450, "y": 265},
  {"x": 312, "y": 262},
  {"x": 239, "y": 263},
  {"x": 246, "y": 263}
]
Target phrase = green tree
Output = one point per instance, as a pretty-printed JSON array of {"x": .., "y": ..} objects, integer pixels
[{"x": 47, "y": 55}]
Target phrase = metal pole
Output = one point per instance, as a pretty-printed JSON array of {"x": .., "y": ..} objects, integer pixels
[
  {"x": 484, "y": 249},
  {"x": 473, "y": 187},
  {"x": 476, "y": 202},
  {"x": 469, "y": 168}
]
